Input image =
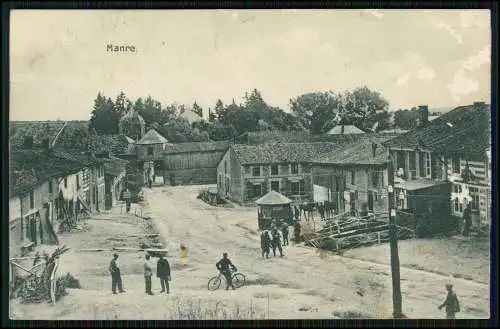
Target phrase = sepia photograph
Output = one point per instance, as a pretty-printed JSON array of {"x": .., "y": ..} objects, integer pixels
[{"x": 249, "y": 164}]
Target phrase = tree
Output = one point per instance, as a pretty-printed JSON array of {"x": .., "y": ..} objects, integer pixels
[
  {"x": 406, "y": 119},
  {"x": 382, "y": 118},
  {"x": 197, "y": 109},
  {"x": 211, "y": 115},
  {"x": 121, "y": 103},
  {"x": 104, "y": 118},
  {"x": 178, "y": 130},
  {"x": 219, "y": 110},
  {"x": 313, "y": 110}
]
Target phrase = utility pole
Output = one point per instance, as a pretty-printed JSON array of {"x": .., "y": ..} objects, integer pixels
[{"x": 393, "y": 238}]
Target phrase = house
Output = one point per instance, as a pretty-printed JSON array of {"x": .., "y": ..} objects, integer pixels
[
  {"x": 44, "y": 186},
  {"x": 115, "y": 174},
  {"x": 345, "y": 130},
  {"x": 149, "y": 150},
  {"x": 193, "y": 162},
  {"x": 190, "y": 116},
  {"x": 352, "y": 176},
  {"x": 247, "y": 172},
  {"x": 451, "y": 149},
  {"x": 132, "y": 125}
]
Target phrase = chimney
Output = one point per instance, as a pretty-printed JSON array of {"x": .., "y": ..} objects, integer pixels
[
  {"x": 342, "y": 129},
  {"x": 423, "y": 111},
  {"x": 28, "y": 142}
]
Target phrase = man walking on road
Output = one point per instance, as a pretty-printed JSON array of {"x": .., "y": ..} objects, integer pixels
[
  {"x": 467, "y": 217},
  {"x": 265, "y": 244},
  {"x": 116, "y": 279},
  {"x": 163, "y": 272},
  {"x": 148, "y": 272},
  {"x": 451, "y": 303},
  {"x": 284, "y": 232},
  {"x": 296, "y": 231},
  {"x": 223, "y": 266}
]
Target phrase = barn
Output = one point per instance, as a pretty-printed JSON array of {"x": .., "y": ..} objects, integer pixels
[{"x": 193, "y": 162}]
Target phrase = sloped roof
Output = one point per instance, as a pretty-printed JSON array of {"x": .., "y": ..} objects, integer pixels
[
  {"x": 74, "y": 134},
  {"x": 190, "y": 116},
  {"x": 152, "y": 137},
  {"x": 273, "y": 136},
  {"x": 349, "y": 129},
  {"x": 132, "y": 117},
  {"x": 114, "y": 144},
  {"x": 197, "y": 147},
  {"x": 273, "y": 198},
  {"x": 465, "y": 130},
  {"x": 281, "y": 152},
  {"x": 29, "y": 168},
  {"x": 360, "y": 152}
]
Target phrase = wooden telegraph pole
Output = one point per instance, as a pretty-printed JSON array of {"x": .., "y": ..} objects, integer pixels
[{"x": 393, "y": 238}]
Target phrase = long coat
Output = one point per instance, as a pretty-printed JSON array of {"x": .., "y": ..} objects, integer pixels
[{"x": 162, "y": 268}]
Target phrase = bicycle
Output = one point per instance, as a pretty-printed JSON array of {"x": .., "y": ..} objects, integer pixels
[{"x": 238, "y": 280}]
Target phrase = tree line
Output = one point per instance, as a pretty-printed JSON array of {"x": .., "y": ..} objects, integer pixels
[{"x": 316, "y": 113}]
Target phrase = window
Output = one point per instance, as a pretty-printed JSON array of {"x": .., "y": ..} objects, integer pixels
[
  {"x": 421, "y": 164},
  {"x": 66, "y": 182},
  {"x": 225, "y": 167},
  {"x": 101, "y": 171},
  {"x": 302, "y": 187},
  {"x": 275, "y": 186},
  {"x": 256, "y": 171},
  {"x": 353, "y": 177},
  {"x": 77, "y": 181},
  {"x": 32, "y": 199},
  {"x": 51, "y": 188},
  {"x": 295, "y": 188},
  {"x": 295, "y": 168},
  {"x": 247, "y": 169},
  {"x": 220, "y": 181},
  {"x": 274, "y": 169},
  {"x": 150, "y": 150},
  {"x": 428, "y": 163},
  {"x": 474, "y": 194},
  {"x": 456, "y": 203},
  {"x": 413, "y": 165},
  {"x": 257, "y": 190},
  {"x": 457, "y": 188},
  {"x": 456, "y": 165}
]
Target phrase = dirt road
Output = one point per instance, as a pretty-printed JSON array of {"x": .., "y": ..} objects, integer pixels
[{"x": 340, "y": 284}]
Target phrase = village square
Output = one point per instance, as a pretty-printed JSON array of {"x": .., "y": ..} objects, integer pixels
[{"x": 343, "y": 206}]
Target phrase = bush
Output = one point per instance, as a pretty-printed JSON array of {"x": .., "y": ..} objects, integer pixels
[
  {"x": 212, "y": 198},
  {"x": 190, "y": 310}
]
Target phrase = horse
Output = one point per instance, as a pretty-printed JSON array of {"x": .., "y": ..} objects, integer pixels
[{"x": 307, "y": 209}]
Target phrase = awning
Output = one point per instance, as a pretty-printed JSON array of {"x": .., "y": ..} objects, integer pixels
[{"x": 419, "y": 184}]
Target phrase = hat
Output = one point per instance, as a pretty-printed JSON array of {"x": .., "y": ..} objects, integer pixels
[
  {"x": 448, "y": 285},
  {"x": 115, "y": 255}
]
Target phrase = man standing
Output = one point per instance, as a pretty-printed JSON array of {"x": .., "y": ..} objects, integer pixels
[
  {"x": 116, "y": 279},
  {"x": 284, "y": 232},
  {"x": 163, "y": 272},
  {"x": 265, "y": 244},
  {"x": 276, "y": 243},
  {"x": 467, "y": 217},
  {"x": 148, "y": 272},
  {"x": 127, "y": 196},
  {"x": 223, "y": 266},
  {"x": 451, "y": 303},
  {"x": 296, "y": 231}
]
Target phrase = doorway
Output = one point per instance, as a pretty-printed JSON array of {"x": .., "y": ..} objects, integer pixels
[{"x": 370, "y": 201}]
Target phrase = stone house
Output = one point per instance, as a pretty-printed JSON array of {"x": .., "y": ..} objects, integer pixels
[{"x": 453, "y": 149}]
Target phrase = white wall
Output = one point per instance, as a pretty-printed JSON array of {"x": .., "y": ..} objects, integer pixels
[{"x": 14, "y": 208}]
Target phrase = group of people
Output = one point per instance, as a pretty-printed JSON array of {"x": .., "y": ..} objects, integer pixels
[
  {"x": 162, "y": 272},
  {"x": 271, "y": 239}
]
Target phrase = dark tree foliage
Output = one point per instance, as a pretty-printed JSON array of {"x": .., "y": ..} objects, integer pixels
[
  {"x": 104, "y": 117},
  {"x": 406, "y": 119}
]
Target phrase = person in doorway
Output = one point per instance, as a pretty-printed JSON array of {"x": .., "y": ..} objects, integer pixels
[
  {"x": 163, "y": 273},
  {"x": 116, "y": 279},
  {"x": 265, "y": 244},
  {"x": 223, "y": 266},
  {"x": 467, "y": 219},
  {"x": 284, "y": 232},
  {"x": 451, "y": 304},
  {"x": 296, "y": 232},
  {"x": 148, "y": 272},
  {"x": 276, "y": 243}
]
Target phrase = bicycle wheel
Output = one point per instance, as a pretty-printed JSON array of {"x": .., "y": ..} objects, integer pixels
[
  {"x": 214, "y": 283},
  {"x": 238, "y": 280}
]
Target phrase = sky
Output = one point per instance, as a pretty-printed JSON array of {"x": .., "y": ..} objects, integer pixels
[{"x": 59, "y": 61}]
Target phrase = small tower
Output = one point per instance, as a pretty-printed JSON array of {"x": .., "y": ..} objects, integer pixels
[{"x": 132, "y": 125}]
